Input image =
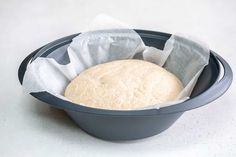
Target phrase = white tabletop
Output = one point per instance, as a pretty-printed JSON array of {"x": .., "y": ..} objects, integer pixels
[{"x": 29, "y": 127}]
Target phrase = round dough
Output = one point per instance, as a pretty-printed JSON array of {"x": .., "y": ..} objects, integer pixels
[{"x": 123, "y": 85}]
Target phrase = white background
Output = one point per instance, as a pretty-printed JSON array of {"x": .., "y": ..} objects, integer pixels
[{"x": 31, "y": 128}]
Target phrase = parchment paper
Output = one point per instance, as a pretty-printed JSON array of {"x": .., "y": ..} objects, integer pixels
[{"x": 181, "y": 56}]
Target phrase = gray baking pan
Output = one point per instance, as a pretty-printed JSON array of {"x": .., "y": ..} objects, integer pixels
[{"x": 135, "y": 124}]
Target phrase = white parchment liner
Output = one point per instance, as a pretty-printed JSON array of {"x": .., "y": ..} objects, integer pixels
[{"x": 182, "y": 56}]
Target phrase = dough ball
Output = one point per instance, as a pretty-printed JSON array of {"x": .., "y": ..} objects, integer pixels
[{"x": 123, "y": 85}]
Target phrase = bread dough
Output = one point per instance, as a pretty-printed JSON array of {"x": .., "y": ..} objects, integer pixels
[{"x": 123, "y": 85}]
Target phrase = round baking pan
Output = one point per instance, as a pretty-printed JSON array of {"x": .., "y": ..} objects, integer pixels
[{"x": 133, "y": 124}]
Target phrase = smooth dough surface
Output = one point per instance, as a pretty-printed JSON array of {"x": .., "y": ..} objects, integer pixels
[{"x": 123, "y": 85}]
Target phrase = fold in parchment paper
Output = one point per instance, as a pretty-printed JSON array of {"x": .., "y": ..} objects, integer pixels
[{"x": 181, "y": 56}]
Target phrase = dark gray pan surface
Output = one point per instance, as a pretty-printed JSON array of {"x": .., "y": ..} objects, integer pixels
[{"x": 129, "y": 125}]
